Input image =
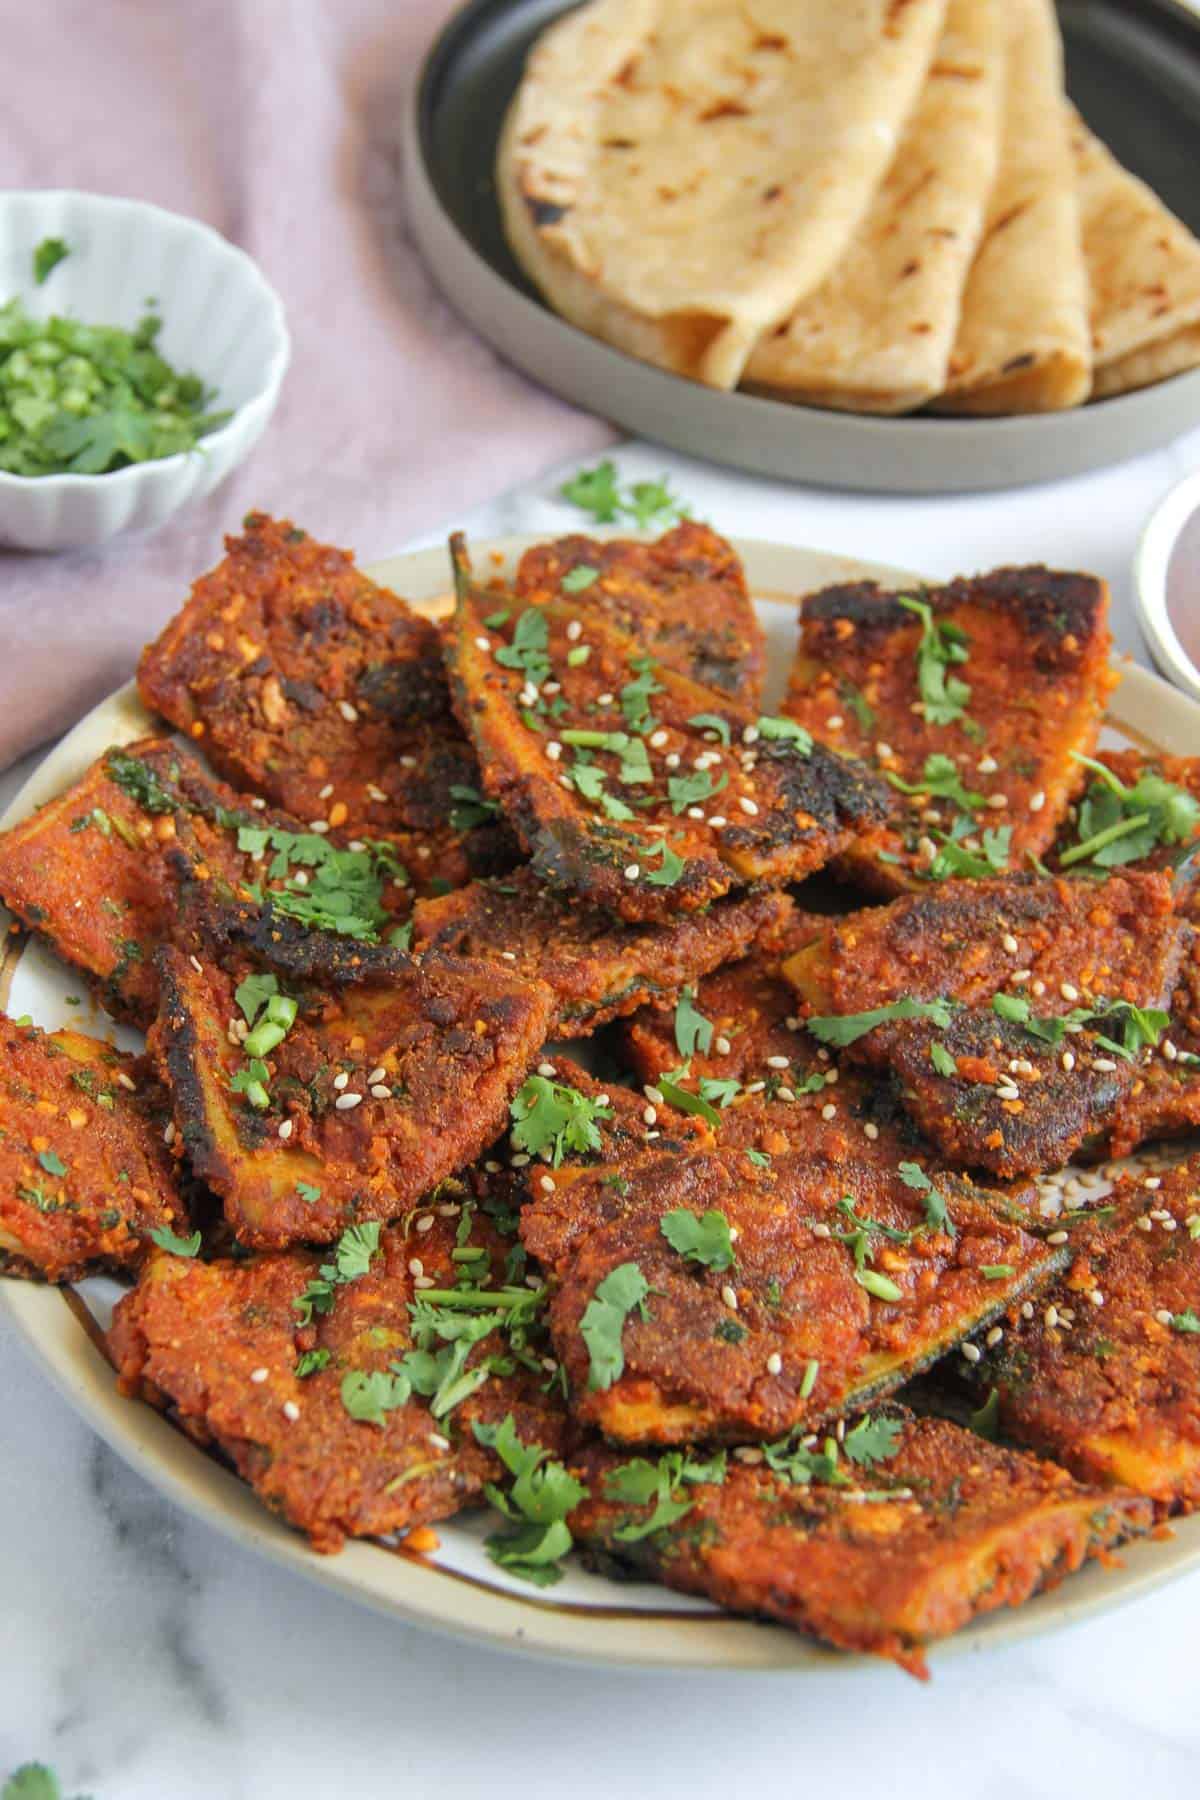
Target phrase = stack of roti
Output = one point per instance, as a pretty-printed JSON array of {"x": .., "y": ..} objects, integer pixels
[{"x": 877, "y": 205}]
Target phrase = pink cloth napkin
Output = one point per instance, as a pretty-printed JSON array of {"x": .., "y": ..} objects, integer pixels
[{"x": 278, "y": 122}]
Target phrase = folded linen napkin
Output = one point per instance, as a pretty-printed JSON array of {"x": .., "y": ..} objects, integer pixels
[{"x": 278, "y": 122}]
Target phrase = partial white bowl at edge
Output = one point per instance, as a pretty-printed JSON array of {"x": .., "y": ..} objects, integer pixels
[{"x": 221, "y": 319}]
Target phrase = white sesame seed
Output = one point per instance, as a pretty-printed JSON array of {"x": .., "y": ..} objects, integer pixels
[
  {"x": 285, "y": 1128},
  {"x": 1170, "y": 1225},
  {"x": 357, "y": 845},
  {"x": 695, "y": 812},
  {"x": 574, "y": 631},
  {"x": 1103, "y": 1064},
  {"x": 291, "y": 1411},
  {"x": 1058, "y": 1237},
  {"x": 1096, "y": 1297},
  {"x": 509, "y": 955},
  {"x": 1163, "y": 1316},
  {"x": 650, "y": 1115},
  {"x": 1068, "y": 1061},
  {"x": 722, "y": 1046},
  {"x": 169, "y": 1133},
  {"x": 601, "y": 1099},
  {"x": 994, "y": 1337},
  {"x": 1010, "y": 943},
  {"x": 341, "y": 1081},
  {"x": 425, "y": 1222},
  {"x": 672, "y": 759},
  {"x": 997, "y": 802},
  {"x": 778, "y": 1062},
  {"x": 1027, "y": 1310},
  {"x": 1154, "y": 1182},
  {"x": 482, "y": 643},
  {"x": 449, "y": 1211},
  {"x": 408, "y": 762},
  {"x": 380, "y": 1092},
  {"x": 436, "y": 1441},
  {"x": 987, "y": 765},
  {"x": 1037, "y": 801},
  {"x": 376, "y": 793},
  {"x": 756, "y": 1087},
  {"x": 1050, "y": 1317},
  {"x": 835, "y": 722},
  {"x": 750, "y": 807},
  {"x": 729, "y": 1297},
  {"x": 1068, "y": 991},
  {"x": 632, "y": 871},
  {"x": 258, "y": 1376},
  {"x": 124, "y": 1081},
  {"x": 651, "y": 1135},
  {"x": 320, "y": 826},
  {"x": 553, "y": 750},
  {"x": 1144, "y": 1224},
  {"x": 346, "y": 1102},
  {"x": 348, "y": 712},
  {"x": 326, "y": 791},
  {"x": 883, "y": 751},
  {"x": 657, "y": 739},
  {"x": 1038, "y": 988},
  {"x": 1020, "y": 977},
  {"x": 415, "y": 1266},
  {"x": 750, "y": 734},
  {"x": 829, "y": 1111},
  {"x": 653, "y": 1094},
  {"x": 1169, "y": 1050},
  {"x": 870, "y": 1131},
  {"x": 258, "y": 803},
  {"x": 519, "y": 1161},
  {"x": 718, "y": 821},
  {"x": 749, "y": 1454},
  {"x": 423, "y": 1281},
  {"x": 972, "y": 1352},
  {"x": 547, "y": 1068},
  {"x": 821, "y": 1231},
  {"x": 604, "y": 700},
  {"x": 300, "y": 878},
  {"x": 926, "y": 846},
  {"x": 546, "y": 1183},
  {"x": 774, "y": 1363},
  {"x": 379, "y": 1074}
]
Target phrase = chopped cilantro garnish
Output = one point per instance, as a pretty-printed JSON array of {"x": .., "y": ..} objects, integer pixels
[
  {"x": 307, "y": 1192},
  {"x": 578, "y": 578},
  {"x": 49, "y": 253},
  {"x": 942, "y": 1060},
  {"x": 311, "y": 1362},
  {"x": 549, "y": 1116},
  {"x": 953, "y": 858},
  {"x": 785, "y": 731},
  {"x": 540, "y": 1497},
  {"x": 941, "y": 645},
  {"x": 670, "y": 868},
  {"x": 692, "y": 790},
  {"x": 640, "y": 1481},
  {"x": 937, "y": 1217},
  {"x": 856, "y": 700},
  {"x": 940, "y": 779},
  {"x": 712, "y": 722},
  {"x": 370, "y": 1397},
  {"x": 798, "y": 1464},
  {"x": 635, "y": 695},
  {"x": 1120, "y": 824},
  {"x": 166, "y": 1239},
  {"x": 598, "y": 491},
  {"x": 841, "y": 1029},
  {"x": 52, "y": 1162},
  {"x": 351, "y": 1260},
  {"x": 1140, "y": 1027},
  {"x": 603, "y": 1322},
  {"x": 1186, "y": 1322},
  {"x": 699, "y": 1238},
  {"x": 84, "y": 399},
  {"x": 472, "y": 808},
  {"x": 872, "y": 1440},
  {"x": 529, "y": 649},
  {"x": 692, "y": 1030}
]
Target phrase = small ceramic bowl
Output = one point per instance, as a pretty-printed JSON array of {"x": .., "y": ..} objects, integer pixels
[
  {"x": 220, "y": 319},
  {"x": 1167, "y": 585}
]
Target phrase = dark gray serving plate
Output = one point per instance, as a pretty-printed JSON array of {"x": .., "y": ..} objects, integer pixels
[{"x": 1134, "y": 71}]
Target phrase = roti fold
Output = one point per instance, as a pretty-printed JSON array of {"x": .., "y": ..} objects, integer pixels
[
  {"x": 876, "y": 336},
  {"x": 675, "y": 175},
  {"x": 1024, "y": 337}
]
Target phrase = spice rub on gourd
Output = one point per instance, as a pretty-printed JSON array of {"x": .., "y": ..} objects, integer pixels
[
  {"x": 599, "y": 967},
  {"x": 1016, "y": 1014},
  {"x": 627, "y": 783},
  {"x": 882, "y": 1545},
  {"x": 92, "y": 871},
  {"x": 712, "y": 1295},
  {"x": 972, "y": 700},
  {"x": 317, "y": 1084},
  {"x": 304, "y": 681},
  {"x": 684, "y": 597},
  {"x": 1103, "y": 1374},
  {"x": 85, "y": 1174},
  {"x": 345, "y": 1388}
]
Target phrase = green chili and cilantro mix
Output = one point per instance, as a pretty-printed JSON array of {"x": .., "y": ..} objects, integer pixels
[{"x": 86, "y": 399}]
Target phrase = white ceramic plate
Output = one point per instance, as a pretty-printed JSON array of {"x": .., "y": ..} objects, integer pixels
[{"x": 458, "y": 1590}]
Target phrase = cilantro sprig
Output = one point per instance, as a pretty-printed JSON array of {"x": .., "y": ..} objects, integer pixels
[
  {"x": 640, "y": 1481},
  {"x": 702, "y": 1238},
  {"x": 941, "y": 780},
  {"x": 352, "y": 1257},
  {"x": 1140, "y": 1027},
  {"x": 553, "y": 1120},
  {"x": 624, "y": 1290},
  {"x": 599, "y": 491},
  {"x": 1121, "y": 824},
  {"x": 840, "y": 1029},
  {"x": 692, "y": 1030},
  {"x": 942, "y": 646},
  {"x": 538, "y": 1500}
]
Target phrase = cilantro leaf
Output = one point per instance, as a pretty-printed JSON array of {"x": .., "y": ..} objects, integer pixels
[
  {"x": 702, "y": 1239},
  {"x": 669, "y": 869},
  {"x": 351, "y": 1260},
  {"x": 370, "y": 1397},
  {"x": 942, "y": 1060},
  {"x": 473, "y": 808},
  {"x": 166, "y": 1239},
  {"x": 941, "y": 781},
  {"x": 52, "y": 1162},
  {"x": 580, "y": 577},
  {"x": 542, "y": 1494},
  {"x": 872, "y": 1440},
  {"x": 49, "y": 253},
  {"x": 595, "y": 491},
  {"x": 941, "y": 645},
  {"x": 311, "y": 1362},
  {"x": 622, "y": 1290},
  {"x": 550, "y": 1116},
  {"x": 638, "y": 1482},
  {"x": 785, "y": 731},
  {"x": 841, "y": 1029},
  {"x": 252, "y": 995},
  {"x": 937, "y": 1216},
  {"x": 692, "y": 1030},
  {"x": 800, "y": 1465},
  {"x": 692, "y": 790},
  {"x": 712, "y": 722},
  {"x": 1185, "y": 1321},
  {"x": 1119, "y": 824}
]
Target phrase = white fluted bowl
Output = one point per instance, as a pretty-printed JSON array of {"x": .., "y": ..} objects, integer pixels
[{"x": 220, "y": 319}]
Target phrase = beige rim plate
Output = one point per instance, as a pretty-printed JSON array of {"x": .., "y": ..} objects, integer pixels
[{"x": 585, "y": 1619}]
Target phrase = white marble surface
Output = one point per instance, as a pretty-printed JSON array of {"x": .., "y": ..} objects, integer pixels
[{"x": 148, "y": 1659}]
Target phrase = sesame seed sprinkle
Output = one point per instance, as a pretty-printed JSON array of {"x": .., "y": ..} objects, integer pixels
[
  {"x": 972, "y": 1352},
  {"x": 285, "y": 1128},
  {"x": 632, "y": 871},
  {"x": 347, "y": 1102},
  {"x": 380, "y": 1092},
  {"x": 348, "y": 712},
  {"x": 722, "y": 1046},
  {"x": 774, "y": 1363},
  {"x": 258, "y": 1376},
  {"x": 341, "y": 1081},
  {"x": 829, "y": 1111},
  {"x": 291, "y": 1411},
  {"x": 730, "y": 1298}
]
